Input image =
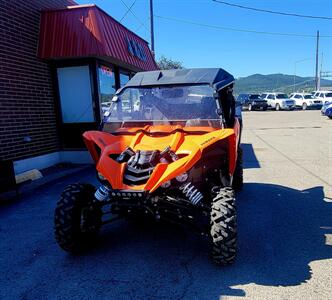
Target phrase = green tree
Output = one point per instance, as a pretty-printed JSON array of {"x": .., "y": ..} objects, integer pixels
[{"x": 165, "y": 63}]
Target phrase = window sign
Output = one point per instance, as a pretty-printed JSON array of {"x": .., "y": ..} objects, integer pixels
[
  {"x": 136, "y": 49},
  {"x": 75, "y": 94},
  {"x": 107, "y": 86},
  {"x": 106, "y": 71}
]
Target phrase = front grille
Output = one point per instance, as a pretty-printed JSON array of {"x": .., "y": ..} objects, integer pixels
[
  {"x": 319, "y": 102},
  {"x": 136, "y": 176}
]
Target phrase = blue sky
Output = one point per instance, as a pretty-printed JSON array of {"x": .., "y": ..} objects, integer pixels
[{"x": 240, "y": 53}]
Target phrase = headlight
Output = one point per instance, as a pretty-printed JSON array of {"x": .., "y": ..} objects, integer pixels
[
  {"x": 182, "y": 177},
  {"x": 166, "y": 184},
  {"x": 101, "y": 177}
]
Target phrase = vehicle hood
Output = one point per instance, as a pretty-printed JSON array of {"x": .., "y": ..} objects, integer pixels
[{"x": 187, "y": 143}]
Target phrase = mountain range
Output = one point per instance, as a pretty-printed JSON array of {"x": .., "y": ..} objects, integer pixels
[{"x": 258, "y": 83}]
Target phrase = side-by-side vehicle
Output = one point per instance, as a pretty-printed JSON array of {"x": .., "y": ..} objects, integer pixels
[{"x": 168, "y": 148}]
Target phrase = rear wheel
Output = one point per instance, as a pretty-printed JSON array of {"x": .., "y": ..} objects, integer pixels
[
  {"x": 223, "y": 231},
  {"x": 77, "y": 218},
  {"x": 238, "y": 173},
  {"x": 304, "y": 106},
  {"x": 250, "y": 107},
  {"x": 277, "y": 106}
]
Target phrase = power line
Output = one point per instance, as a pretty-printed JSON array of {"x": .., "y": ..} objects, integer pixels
[
  {"x": 272, "y": 12},
  {"x": 126, "y": 13},
  {"x": 239, "y": 29},
  {"x": 138, "y": 19},
  {"x": 140, "y": 26},
  {"x": 298, "y": 83}
]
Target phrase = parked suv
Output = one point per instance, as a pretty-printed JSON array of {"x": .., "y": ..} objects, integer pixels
[
  {"x": 306, "y": 101},
  {"x": 278, "y": 101},
  {"x": 325, "y": 96},
  {"x": 252, "y": 102}
]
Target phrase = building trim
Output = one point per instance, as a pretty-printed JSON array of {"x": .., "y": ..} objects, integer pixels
[{"x": 51, "y": 159}]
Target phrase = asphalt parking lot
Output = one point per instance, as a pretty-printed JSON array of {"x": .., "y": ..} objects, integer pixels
[{"x": 285, "y": 232}]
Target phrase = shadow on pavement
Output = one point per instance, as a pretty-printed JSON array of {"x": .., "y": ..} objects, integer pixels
[
  {"x": 280, "y": 233},
  {"x": 250, "y": 159}
]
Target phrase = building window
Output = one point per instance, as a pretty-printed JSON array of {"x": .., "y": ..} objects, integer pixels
[
  {"x": 75, "y": 94},
  {"x": 124, "y": 78},
  {"x": 107, "y": 87}
]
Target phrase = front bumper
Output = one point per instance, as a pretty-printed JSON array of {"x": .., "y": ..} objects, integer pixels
[
  {"x": 287, "y": 106},
  {"x": 259, "y": 106}
]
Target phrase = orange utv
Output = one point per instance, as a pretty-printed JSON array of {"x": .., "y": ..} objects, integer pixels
[{"x": 168, "y": 149}]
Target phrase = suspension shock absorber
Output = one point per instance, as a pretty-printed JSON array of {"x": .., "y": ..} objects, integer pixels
[
  {"x": 191, "y": 193},
  {"x": 102, "y": 193}
]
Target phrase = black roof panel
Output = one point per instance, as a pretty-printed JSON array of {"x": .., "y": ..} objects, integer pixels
[{"x": 218, "y": 78}]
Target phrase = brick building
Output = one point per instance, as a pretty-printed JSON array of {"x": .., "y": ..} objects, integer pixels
[{"x": 59, "y": 64}]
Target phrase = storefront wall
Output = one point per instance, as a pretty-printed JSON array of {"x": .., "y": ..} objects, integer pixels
[
  {"x": 27, "y": 114},
  {"x": 46, "y": 103}
]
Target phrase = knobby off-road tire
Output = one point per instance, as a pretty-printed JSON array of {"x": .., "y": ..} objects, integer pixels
[
  {"x": 75, "y": 200},
  {"x": 223, "y": 227},
  {"x": 238, "y": 173}
]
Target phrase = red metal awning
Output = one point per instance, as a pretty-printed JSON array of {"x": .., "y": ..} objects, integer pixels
[{"x": 87, "y": 31}]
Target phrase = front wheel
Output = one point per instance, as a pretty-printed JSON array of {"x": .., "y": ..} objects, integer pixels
[
  {"x": 77, "y": 218},
  {"x": 250, "y": 107},
  {"x": 277, "y": 106},
  {"x": 304, "y": 106},
  {"x": 223, "y": 230}
]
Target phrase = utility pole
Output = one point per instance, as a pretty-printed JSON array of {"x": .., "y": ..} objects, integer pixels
[
  {"x": 152, "y": 27},
  {"x": 320, "y": 72},
  {"x": 317, "y": 60}
]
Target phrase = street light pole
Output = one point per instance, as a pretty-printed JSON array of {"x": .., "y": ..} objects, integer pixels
[{"x": 152, "y": 27}]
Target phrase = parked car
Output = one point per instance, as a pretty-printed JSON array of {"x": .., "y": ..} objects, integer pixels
[
  {"x": 105, "y": 106},
  {"x": 328, "y": 110},
  {"x": 278, "y": 101},
  {"x": 252, "y": 102},
  {"x": 325, "y": 106},
  {"x": 325, "y": 96},
  {"x": 306, "y": 101}
]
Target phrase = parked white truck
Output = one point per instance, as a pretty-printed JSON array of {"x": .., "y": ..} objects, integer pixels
[
  {"x": 306, "y": 101},
  {"x": 278, "y": 101}
]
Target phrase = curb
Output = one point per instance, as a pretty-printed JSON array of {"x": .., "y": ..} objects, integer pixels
[{"x": 33, "y": 185}]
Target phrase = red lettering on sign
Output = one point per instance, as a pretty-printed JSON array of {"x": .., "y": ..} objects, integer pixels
[{"x": 106, "y": 70}]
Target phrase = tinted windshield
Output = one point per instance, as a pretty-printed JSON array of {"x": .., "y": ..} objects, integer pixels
[
  {"x": 178, "y": 105},
  {"x": 281, "y": 96},
  {"x": 308, "y": 97},
  {"x": 328, "y": 95}
]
